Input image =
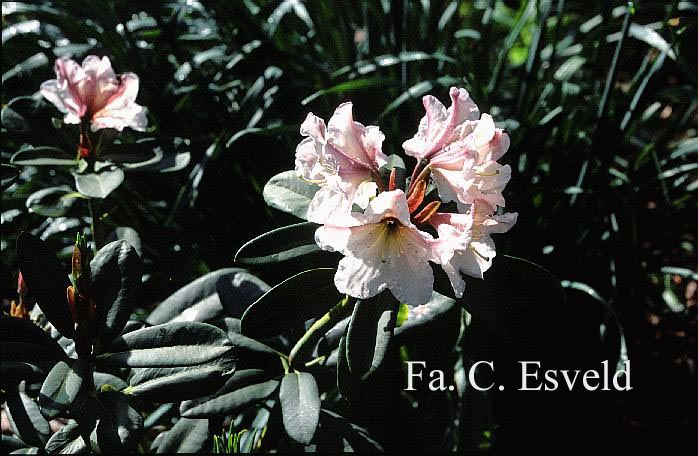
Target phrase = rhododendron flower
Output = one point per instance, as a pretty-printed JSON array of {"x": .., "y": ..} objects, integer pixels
[
  {"x": 383, "y": 249},
  {"x": 465, "y": 245},
  {"x": 93, "y": 92},
  {"x": 461, "y": 148},
  {"x": 343, "y": 158}
]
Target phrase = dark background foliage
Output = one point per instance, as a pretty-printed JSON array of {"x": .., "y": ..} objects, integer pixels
[{"x": 600, "y": 104}]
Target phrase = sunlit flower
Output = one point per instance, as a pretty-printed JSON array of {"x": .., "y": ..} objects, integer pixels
[
  {"x": 383, "y": 249},
  {"x": 93, "y": 92},
  {"x": 461, "y": 148},
  {"x": 343, "y": 158},
  {"x": 464, "y": 244}
]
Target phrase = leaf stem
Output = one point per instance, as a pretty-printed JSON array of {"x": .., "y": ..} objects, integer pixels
[
  {"x": 337, "y": 313},
  {"x": 96, "y": 223}
]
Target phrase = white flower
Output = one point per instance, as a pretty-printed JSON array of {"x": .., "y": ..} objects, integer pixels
[{"x": 383, "y": 249}]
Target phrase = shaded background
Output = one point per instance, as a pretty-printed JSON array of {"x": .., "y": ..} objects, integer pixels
[{"x": 603, "y": 152}]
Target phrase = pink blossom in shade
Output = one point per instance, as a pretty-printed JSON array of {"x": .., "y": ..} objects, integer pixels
[
  {"x": 382, "y": 249},
  {"x": 343, "y": 157},
  {"x": 464, "y": 244},
  {"x": 93, "y": 92}
]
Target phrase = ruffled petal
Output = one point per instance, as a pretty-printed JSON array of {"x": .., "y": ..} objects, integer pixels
[
  {"x": 359, "y": 144},
  {"x": 120, "y": 110}
]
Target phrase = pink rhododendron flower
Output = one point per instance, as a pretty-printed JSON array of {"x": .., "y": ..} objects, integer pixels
[
  {"x": 383, "y": 249},
  {"x": 461, "y": 148},
  {"x": 465, "y": 245},
  {"x": 93, "y": 92},
  {"x": 343, "y": 158}
]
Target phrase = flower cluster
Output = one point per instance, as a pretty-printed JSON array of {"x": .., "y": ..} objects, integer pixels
[{"x": 388, "y": 235}]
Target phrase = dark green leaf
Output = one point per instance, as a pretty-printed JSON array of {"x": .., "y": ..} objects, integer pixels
[
  {"x": 8, "y": 176},
  {"x": 43, "y": 156},
  {"x": 171, "y": 344},
  {"x": 289, "y": 193},
  {"x": 100, "y": 183},
  {"x": 13, "y": 121},
  {"x": 53, "y": 201},
  {"x": 116, "y": 275},
  {"x": 226, "y": 291},
  {"x": 26, "y": 419},
  {"x": 295, "y": 300},
  {"x": 369, "y": 333},
  {"x": 300, "y": 405},
  {"x": 432, "y": 311},
  {"x": 128, "y": 234},
  {"x": 280, "y": 244},
  {"x": 67, "y": 440},
  {"x": 336, "y": 433},
  {"x": 187, "y": 436},
  {"x": 61, "y": 387},
  {"x": 239, "y": 380},
  {"x": 232, "y": 402},
  {"x": 188, "y": 383},
  {"x": 46, "y": 280}
]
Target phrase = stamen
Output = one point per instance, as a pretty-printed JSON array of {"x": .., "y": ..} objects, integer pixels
[
  {"x": 417, "y": 196},
  {"x": 479, "y": 254},
  {"x": 490, "y": 174}
]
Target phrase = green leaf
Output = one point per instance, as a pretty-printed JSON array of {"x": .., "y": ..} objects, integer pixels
[
  {"x": 288, "y": 193},
  {"x": 514, "y": 281},
  {"x": 278, "y": 245},
  {"x": 187, "y": 436},
  {"x": 116, "y": 276},
  {"x": 227, "y": 291},
  {"x": 179, "y": 384},
  {"x": 46, "y": 280},
  {"x": 100, "y": 183},
  {"x": 8, "y": 176},
  {"x": 61, "y": 387},
  {"x": 13, "y": 121},
  {"x": 295, "y": 300},
  {"x": 369, "y": 333},
  {"x": 66, "y": 440},
  {"x": 26, "y": 420},
  {"x": 109, "y": 423},
  {"x": 171, "y": 344},
  {"x": 43, "y": 156},
  {"x": 128, "y": 234},
  {"x": 336, "y": 434},
  {"x": 431, "y": 312},
  {"x": 232, "y": 402},
  {"x": 300, "y": 405},
  {"x": 241, "y": 379},
  {"x": 53, "y": 201},
  {"x": 161, "y": 155}
]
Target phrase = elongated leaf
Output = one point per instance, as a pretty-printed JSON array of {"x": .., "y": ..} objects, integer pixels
[
  {"x": 109, "y": 423},
  {"x": 13, "y": 121},
  {"x": 239, "y": 380},
  {"x": 26, "y": 419},
  {"x": 336, "y": 433},
  {"x": 108, "y": 382},
  {"x": 8, "y": 176},
  {"x": 438, "y": 306},
  {"x": 188, "y": 383},
  {"x": 128, "y": 234},
  {"x": 10, "y": 443},
  {"x": 280, "y": 244},
  {"x": 171, "y": 344},
  {"x": 67, "y": 440},
  {"x": 300, "y": 405},
  {"x": 47, "y": 281},
  {"x": 232, "y": 402},
  {"x": 288, "y": 193},
  {"x": 116, "y": 276},
  {"x": 53, "y": 201},
  {"x": 369, "y": 333},
  {"x": 99, "y": 184},
  {"x": 226, "y": 291},
  {"x": 61, "y": 387},
  {"x": 43, "y": 156},
  {"x": 295, "y": 300},
  {"x": 187, "y": 436}
]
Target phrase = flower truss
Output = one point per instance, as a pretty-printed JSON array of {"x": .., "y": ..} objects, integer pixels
[
  {"x": 388, "y": 236},
  {"x": 94, "y": 93}
]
